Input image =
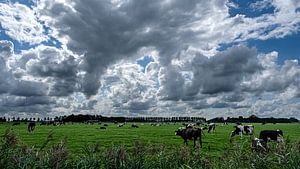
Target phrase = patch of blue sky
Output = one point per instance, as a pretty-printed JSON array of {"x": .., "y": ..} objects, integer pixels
[
  {"x": 29, "y": 3},
  {"x": 144, "y": 61},
  {"x": 19, "y": 46},
  {"x": 287, "y": 47},
  {"x": 249, "y": 10}
]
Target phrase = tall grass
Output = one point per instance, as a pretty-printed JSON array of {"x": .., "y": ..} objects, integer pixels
[{"x": 13, "y": 154}]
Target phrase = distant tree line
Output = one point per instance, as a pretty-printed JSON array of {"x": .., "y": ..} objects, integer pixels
[
  {"x": 99, "y": 118},
  {"x": 253, "y": 119},
  {"x": 85, "y": 118}
]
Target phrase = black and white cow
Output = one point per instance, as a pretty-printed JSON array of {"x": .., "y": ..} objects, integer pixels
[
  {"x": 240, "y": 130},
  {"x": 271, "y": 135},
  {"x": 211, "y": 127},
  {"x": 258, "y": 145},
  {"x": 121, "y": 124},
  {"x": 134, "y": 126},
  {"x": 190, "y": 134}
]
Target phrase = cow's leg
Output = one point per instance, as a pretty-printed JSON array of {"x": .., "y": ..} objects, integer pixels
[
  {"x": 200, "y": 141},
  {"x": 195, "y": 142},
  {"x": 185, "y": 142}
]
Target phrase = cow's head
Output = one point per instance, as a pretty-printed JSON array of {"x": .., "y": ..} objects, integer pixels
[
  {"x": 233, "y": 133},
  {"x": 236, "y": 131},
  {"x": 179, "y": 131},
  {"x": 280, "y": 132}
]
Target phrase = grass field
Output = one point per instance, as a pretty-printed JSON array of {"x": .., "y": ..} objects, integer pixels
[{"x": 79, "y": 135}]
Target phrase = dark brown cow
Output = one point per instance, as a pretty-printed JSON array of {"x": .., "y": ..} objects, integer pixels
[
  {"x": 31, "y": 126},
  {"x": 190, "y": 134}
]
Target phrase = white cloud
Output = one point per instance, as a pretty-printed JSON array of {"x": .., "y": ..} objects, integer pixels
[{"x": 20, "y": 23}]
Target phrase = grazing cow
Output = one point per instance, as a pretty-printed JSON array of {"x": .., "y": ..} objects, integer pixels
[
  {"x": 211, "y": 127},
  {"x": 190, "y": 134},
  {"x": 268, "y": 135},
  {"x": 121, "y": 125},
  {"x": 258, "y": 145},
  {"x": 102, "y": 128},
  {"x": 31, "y": 126},
  {"x": 134, "y": 126},
  {"x": 240, "y": 130},
  {"x": 105, "y": 125}
]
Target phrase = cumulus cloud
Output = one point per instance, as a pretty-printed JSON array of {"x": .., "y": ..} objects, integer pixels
[
  {"x": 19, "y": 94},
  {"x": 274, "y": 77},
  {"x": 129, "y": 88},
  {"x": 20, "y": 23},
  {"x": 119, "y": 30},
  {"x": 106, "y": 31}
]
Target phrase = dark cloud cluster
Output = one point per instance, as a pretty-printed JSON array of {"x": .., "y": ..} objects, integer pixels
[
  {"x": 18, "y": 94},
  {"x": 61, "y": 69},
  {"x": 106, "y": 32},
  {"x": 221, "y": 73}
]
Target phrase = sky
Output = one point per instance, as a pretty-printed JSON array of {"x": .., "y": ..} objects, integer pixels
[{"x": 218, "y": 58}]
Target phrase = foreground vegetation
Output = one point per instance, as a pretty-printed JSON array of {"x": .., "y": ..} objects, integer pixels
[{"x": 14, "y": 154}]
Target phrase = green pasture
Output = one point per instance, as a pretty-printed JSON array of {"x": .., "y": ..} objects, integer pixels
[{"x": 79, "y": 135}]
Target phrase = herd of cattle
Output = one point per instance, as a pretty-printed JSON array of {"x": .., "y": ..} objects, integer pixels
[
  {"x": 194, "y": 132},
  {"x": 190, "y": 132}
]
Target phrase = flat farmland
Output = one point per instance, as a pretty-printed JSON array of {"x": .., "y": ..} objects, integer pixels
[{"x": 78, "y": 135}]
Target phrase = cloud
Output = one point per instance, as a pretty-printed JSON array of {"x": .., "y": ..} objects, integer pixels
[
  {"x": 119, "y": 31},
  {"x": 107, "y": 31},
  {"x": 274, "y": 77},
  {"x": 6, "y": 49},
  {"x": 55, "y": 68},
  {"x": 129, "y": 88},
  {"x": 19, "y": 94},
  {"x": 204, "y": 75},
  {"x": 20, "y": 23},
  {"x": 102, "y": 40},
  {"x": 224, "y": 71},
  {"x": 261, "y": 5}
]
